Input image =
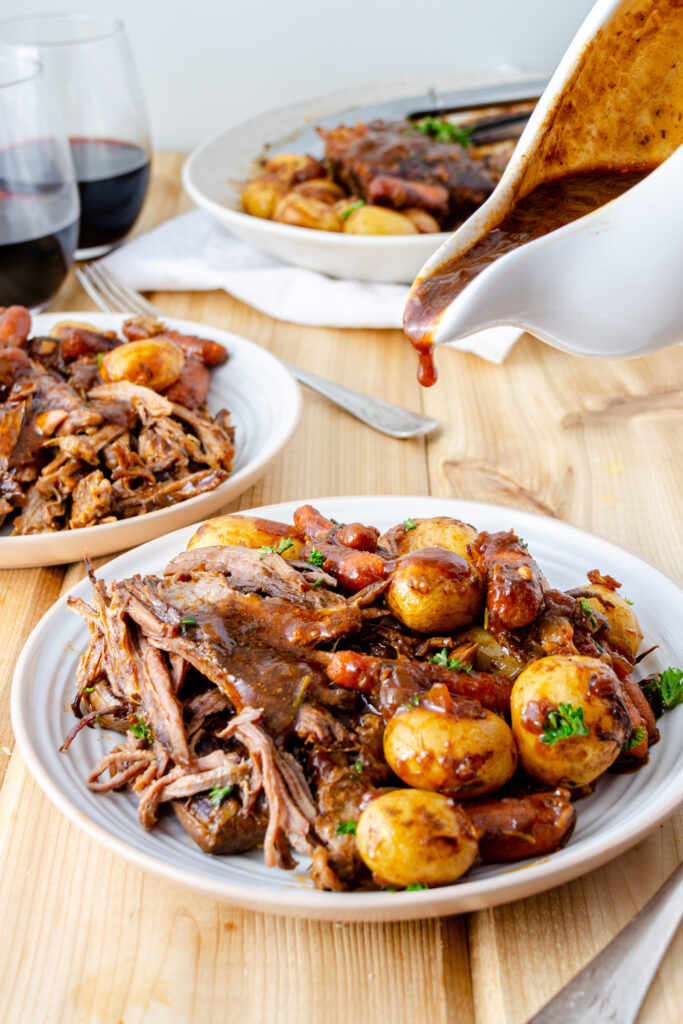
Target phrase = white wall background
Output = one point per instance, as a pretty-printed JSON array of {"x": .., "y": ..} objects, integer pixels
[{"x": 206, "y": 64}]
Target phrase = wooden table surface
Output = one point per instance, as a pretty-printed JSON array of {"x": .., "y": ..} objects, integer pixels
[{"x": 86, "y": 937}]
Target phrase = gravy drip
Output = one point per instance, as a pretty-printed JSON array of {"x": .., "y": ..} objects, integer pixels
[{"x": 548, "y": 207}]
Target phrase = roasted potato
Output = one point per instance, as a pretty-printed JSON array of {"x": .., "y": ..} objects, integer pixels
[
  {"x": 624, "y": 628},
  {"x": 64, "y": 326},
  {"x": 378, "y": 220},
  {"x": 305, "y": 212},
  {"x": 466, "y": 753},
  {"x": 423, "y": 221},
  {"x": 324, "y": 189},
  {"x": 294, "y": 167},
  {"x": 247, "y": 532},
  {"x": 414, "y": 837},
  {"x": 434, "y": 591},
  {"x": 568, "y": 718},
  {"x": 153, "y": 363},
  {"x": 261, "y": 196},
  {"x": 491, "y": 655}
]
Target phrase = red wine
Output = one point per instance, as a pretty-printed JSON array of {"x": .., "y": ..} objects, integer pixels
[
  {"x": 32, "y": 271},
  {"x": 112, "y": 182}
]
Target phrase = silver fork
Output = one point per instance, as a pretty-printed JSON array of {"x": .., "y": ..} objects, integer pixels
[{"x": 113, "y": 295}]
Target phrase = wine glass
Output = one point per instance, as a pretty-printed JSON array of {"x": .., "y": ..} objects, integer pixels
[
  {"x": 38, "y": 194},
  {"x": 90, "y": 69}
]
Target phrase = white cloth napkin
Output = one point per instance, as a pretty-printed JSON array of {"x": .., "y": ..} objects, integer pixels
[{"x": 195, "y": 253}]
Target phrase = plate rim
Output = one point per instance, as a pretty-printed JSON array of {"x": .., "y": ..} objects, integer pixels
[
  {"x": 375, "y": 906},
  {"x": 243, "y": 477}
]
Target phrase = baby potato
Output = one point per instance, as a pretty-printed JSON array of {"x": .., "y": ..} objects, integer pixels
[
  {"x": 152, "y": 362},
  {"x": 579, "y": 684},
  {"x": 444, "y": 532},
  {"x": 293, "y": 167},
  {"x": 305, "y": 212},
  {"x": 423, "y": 221},
  {"x": 64, "y": 326},
  {"x": 414, "y": 837},
  {"x": 246, "y": 532},
  {"x": 378, "y": 220},
  {"x": 624, "y": 628},
  {"x": 491, "y": 656},
  {"x": 434, "y": 591},
  {"x": 261, "y": 196},
  {"x": 465, "y": 753},
  {"x": 324, "y": 189}
]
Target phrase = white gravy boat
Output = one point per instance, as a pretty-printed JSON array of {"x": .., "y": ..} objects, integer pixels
[{"x": 608, "y": 284}]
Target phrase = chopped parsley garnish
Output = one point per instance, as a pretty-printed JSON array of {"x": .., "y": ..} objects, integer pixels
[
  {"x": 410, "y": 524},
  {"x": 346, "y": 828},
  {"x": 88, "y": 689},
  {"x": 100, "y": 357},
  {"x": 671, "y": 686},
  {"x": 357, "y": 767},
  {"x": 636, "y": 739},
  {"x": 563, "y": 723},
  {"x": 188, "y": 624},
  {"x": 441, "y": 658},
  {"x": 588, "y": 611},
  {"x": 283, "y": 546},
  {"x": 522, "y": 543},
  {"x": 416, "y": 886},
  {"x": 141, "y": 731},
  {"x": 351, "y": 207},
  {"x": 444, "y": 131},
  {"x": 316, "y": 583},
  {"x": 218, "y": 794},
  {"x": 599, "y": 647},
  {"x": 628, "y": 600},
  {"x": 316, "y": 558}
]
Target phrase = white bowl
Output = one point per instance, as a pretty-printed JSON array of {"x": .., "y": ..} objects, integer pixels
[{"x": 214, "y": 173}]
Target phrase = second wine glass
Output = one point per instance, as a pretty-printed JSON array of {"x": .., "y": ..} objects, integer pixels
[{"x": 91, "y": 72}]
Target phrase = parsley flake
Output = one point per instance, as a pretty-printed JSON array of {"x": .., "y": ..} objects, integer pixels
[
  {"x": 588, "y": 611},
  {"x": 316, "y": 583},
  {"x": 283, "y": 546},
  {"x": 441, "y": 658},
  {"x": 416, "y": 886},
  {"x": 100, "y": 357},
  {"x": 671, "y": 687},
  {"x": 563, "y": 723},
  {"x": 141, "y": 731},
  {"x": 522, "y": 543},
  {"x": 351, "y": 207},
  {"x": 218, "y": 794},
  {"x": 628, "y": 600},
  {"x": 636, "y": 739},
  {"x": 444, "y": 131},
  {"x": 410, "y": 524},
  {"x": 599, "y": 647},
  {"x": 346, "y": 828},
  {"x": 89, "y": 689},
  {"x": 316, "y": 558},
  {"x": 357, "y": 767}
]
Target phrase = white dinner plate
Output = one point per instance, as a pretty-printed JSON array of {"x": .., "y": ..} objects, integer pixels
[
  {"x": 215, "y": 172},
  {"x": 622, "y": 810},
  {"x": 265, "y": 403}
]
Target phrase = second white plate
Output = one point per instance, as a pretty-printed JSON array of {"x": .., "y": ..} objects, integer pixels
[{"x": 265, "y": 403}]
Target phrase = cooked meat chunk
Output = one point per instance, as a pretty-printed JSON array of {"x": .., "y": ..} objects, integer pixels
[
  {"x": 391, "y": 162},
  {"x": 91, "y": 500}
]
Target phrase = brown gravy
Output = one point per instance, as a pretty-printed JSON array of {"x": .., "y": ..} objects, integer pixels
[{"x": 546, "y": 208}]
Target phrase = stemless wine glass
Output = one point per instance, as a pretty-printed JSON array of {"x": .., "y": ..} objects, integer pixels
[
  {"x": 38, "y": 194},
  {"x": 90, "y": 68}
]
